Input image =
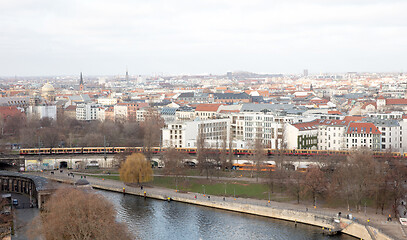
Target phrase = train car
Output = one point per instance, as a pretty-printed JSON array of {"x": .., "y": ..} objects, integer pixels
[
  {"x": 119, "y": 149},
  {"x": 28, "y": 151},
  {"x": 244, "y": 151},
  {"x": 251, "y": 167},
  {"x": 187, "y": 150},
  {"x": 77, "y": 150},
  {"x": 301, "y": 152},
  {"x": 45, "y": 151},
  {"x": 90, "y": 150},
  {"x": 322, "y": 152},
  {"x": 138, "y": 149}
]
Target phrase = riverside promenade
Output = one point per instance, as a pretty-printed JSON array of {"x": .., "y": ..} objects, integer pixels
[{"x": 327, "y": 219}]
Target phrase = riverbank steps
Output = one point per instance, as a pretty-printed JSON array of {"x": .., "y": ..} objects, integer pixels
[{"x": 325, "y": 222}]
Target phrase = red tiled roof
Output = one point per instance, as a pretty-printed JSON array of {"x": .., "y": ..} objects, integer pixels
[
  {"x": 71, "y": 108},
  {"x": 307, "y": 125},
  {"x": 334, "y": 113},
  {"x": 207, "y": 107},
  {"x": 367, "y": 104},
  {"x": 353, "y": 118},
  {"x": 320, "y": 122},
  {"x": 229, "y": 111},
  {"x": 10, "y": 111},
  {"x": 399, "y": 101},
  {"x": 358, "y": 127}
]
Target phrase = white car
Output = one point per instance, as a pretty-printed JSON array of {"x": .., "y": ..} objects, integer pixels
[{"x": 403, "y": 221}]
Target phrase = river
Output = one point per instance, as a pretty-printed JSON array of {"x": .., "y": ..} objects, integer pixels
[{"x": 155, "y": 219}]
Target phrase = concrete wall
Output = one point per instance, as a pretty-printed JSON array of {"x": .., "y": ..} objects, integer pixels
[{"x": 349, "y": 227}]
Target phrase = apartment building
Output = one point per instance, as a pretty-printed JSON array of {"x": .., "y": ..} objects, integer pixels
[
  {"x": 207, "y": 111},
  {"x": 362, "y": 135},
  {"x": 247, "y": 127},
  {"x": 185, "y": 134},
  {"x": 87, "y": 112},
  {"x": 42, "y": 111},
  {"x": 107, "y": 101},
  {"x": 331, "y": 134},
  {"x": 392, "y": 136},
  {"x": 127, "y": 111},
  {"x": 302, "y": 135}
]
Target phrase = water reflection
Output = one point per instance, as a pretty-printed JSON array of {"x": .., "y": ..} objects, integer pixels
[{"x": 154, "y": 219}]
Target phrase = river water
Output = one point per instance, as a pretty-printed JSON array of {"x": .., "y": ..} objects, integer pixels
[{"x": 155, "y": 219}]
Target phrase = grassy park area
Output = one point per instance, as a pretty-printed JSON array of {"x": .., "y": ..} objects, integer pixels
[{"x": 212, "y": 187}]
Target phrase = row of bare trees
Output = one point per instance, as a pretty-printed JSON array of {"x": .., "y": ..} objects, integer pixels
[
  {"x": 353, "y": 181},
  {"x": 68, "y": 132}
]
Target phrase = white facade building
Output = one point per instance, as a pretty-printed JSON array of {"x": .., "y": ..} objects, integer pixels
[
  {"x": 107, "y": 101},
  {"x": 391, "y": 139},
  {"x": 331, "y": 137},
  {"x": 185, "y": 134},
  {"x": 46, "y": 111},
  {"x": 362, "y": 135},
  {"x": 247, "y": 127},
  {"x": 87, "y": 112}
]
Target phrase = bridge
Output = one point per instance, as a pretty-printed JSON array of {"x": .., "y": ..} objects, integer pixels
[
  {"x": 78, "y": 161},
  {"x": 36, "y": 187},
  {"x": 11, "y": 162}
]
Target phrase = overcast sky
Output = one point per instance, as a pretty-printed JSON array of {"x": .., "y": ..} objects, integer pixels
[{"x": 55, "y": 37}]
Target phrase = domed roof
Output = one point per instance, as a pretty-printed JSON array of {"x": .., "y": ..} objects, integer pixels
[{"x": 48, "y": 88}]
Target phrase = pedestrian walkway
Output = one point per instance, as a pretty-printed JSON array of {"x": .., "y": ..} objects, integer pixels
[{"x": 378, "y": 221}]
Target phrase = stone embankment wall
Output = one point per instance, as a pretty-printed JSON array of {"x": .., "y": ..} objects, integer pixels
[{"x": 348, "y": 227}]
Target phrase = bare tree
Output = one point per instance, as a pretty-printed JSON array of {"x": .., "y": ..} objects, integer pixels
[
  {"x": 174, "y": 163},
  {"x": 397, "y": 178},
  {"x": 258, "y": 157},
  {"x": 6, "y": 218},
  {"x": 295, "y": 184},
  {"x": 315, "y": 182},
  {"x": 203, "y": 153},
  {"x": 152, "y": 126},
  {"x": 79, "y": 215}
]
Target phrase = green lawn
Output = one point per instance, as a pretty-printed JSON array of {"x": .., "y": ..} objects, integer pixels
[{"x": 212, "y": 187}]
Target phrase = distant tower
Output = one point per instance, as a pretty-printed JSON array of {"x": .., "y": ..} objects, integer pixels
[
  {"x": 305, "y": 72},
  {"x": 81, "y": 83},
  {"x": 127, "y": 75}
]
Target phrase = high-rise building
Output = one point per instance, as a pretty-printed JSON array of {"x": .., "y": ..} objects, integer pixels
[
  {"x": 81, "y": 83},
  {"x": 305, "y": 72}
]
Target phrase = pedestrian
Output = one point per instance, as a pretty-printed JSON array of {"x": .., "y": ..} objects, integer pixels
[
  {"x": 141, "y": 187},
  {"x": 339, "y": 214},
  {"x": 195, "y": 196}
]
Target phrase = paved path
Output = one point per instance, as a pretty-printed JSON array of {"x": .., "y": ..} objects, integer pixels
[{"x": 393, "y": 229}]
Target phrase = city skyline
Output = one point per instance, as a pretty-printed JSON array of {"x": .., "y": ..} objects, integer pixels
[{"x": 64, "y": 38}]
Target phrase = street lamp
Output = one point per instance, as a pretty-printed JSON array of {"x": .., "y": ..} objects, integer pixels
[
  {"x": 225, "y": 189},
  {"x": 203, "y": 188}
]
